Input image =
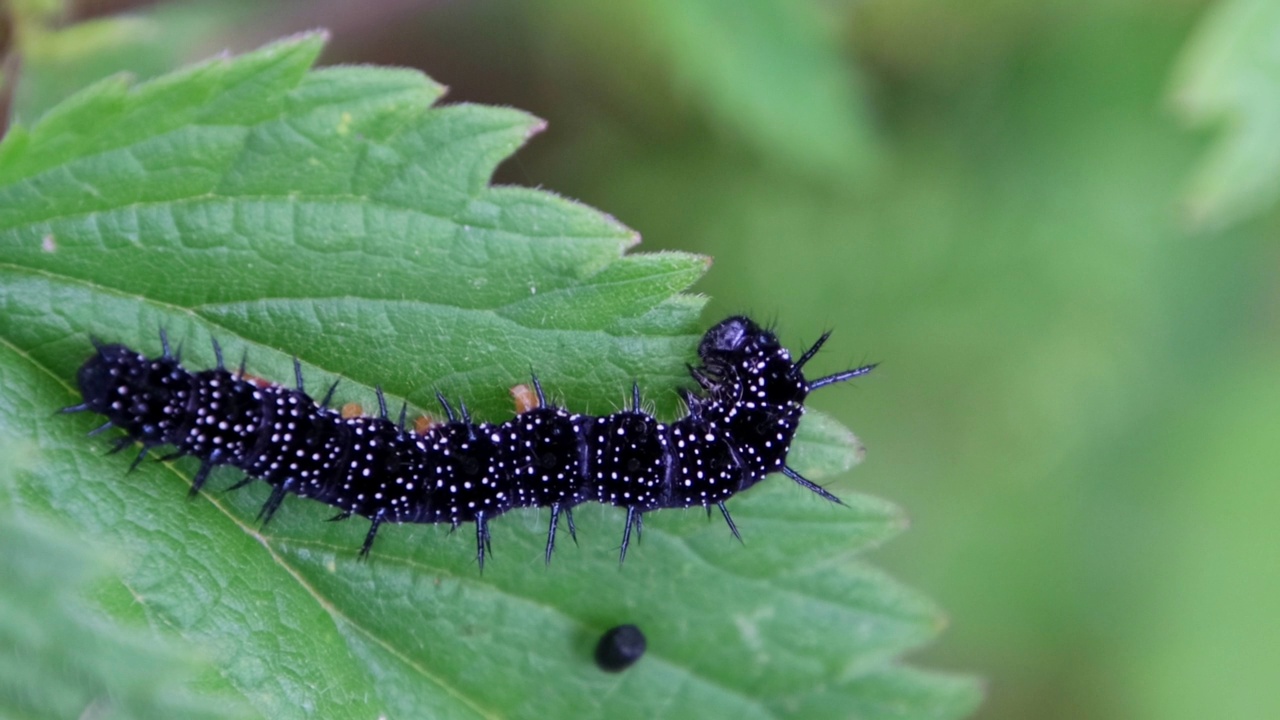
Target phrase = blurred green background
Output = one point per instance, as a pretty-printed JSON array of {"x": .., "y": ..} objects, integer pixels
[{"x": 1053, "y": 223}]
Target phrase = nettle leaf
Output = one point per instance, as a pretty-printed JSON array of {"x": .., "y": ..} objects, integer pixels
[
  {"x": 336, "y": 215},
  {"x": 1229, "y": 79},
  {"x": 60, "y": 659}
]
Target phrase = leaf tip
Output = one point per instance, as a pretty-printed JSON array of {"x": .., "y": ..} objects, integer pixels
[
  {"x": 306, "y": 44},
  {"x": 633, "y": 237},
  {"x": 535, "y": 126},
  {"x": 317, "y": 37}
]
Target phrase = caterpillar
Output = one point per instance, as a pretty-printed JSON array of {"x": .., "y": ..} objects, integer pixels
[{"x": 736, "y": 431}]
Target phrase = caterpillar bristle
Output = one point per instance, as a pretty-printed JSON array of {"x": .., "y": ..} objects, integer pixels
[
  {"x": 374, "y": 523},
  {"x": 448, "y": 410},
  {"x": 729, "y": 520},
  {"x": 100, "y": 429},
  {"x": 217, "y": 353},
  {"x": 328, "y": 396},
  {"x": 202, "y": 475},
  {"x": 808, "y": 484},
  {"x": 841, "y": 377}
]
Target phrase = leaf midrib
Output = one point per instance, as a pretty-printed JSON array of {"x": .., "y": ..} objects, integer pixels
[{"x": 295, "y": 197}]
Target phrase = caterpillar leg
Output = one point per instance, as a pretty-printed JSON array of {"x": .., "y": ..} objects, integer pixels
[{"x": 704, "y": 381}]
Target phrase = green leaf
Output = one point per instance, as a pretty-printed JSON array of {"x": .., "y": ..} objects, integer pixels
[
  {"x": 771, "y": 74},
  {"x": 59, "y": 659},
  {"x": 336, "y": 216},
  {"x": 894, "y": 692},
  {"x": 1229, "y": 78},
  {"x": 773, "y": 71},
  {"x": 824, "y": 444},
  {"x": 59, "y": 61}
]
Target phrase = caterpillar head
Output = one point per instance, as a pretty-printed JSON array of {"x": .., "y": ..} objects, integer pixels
[
  {"x": 744, "y": 362},
  {"x": 730, "y": 340}
]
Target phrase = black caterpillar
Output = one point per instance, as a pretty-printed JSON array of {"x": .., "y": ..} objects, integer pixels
[{"x": 735, "y": 433}]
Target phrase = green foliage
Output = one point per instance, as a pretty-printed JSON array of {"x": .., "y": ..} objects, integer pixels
[
  {"x": 769, "y": 73},
  {"x": 772, "y": 71},
  {"x": 1229, "y": 79},
  {"x": 59, "y": 61},
  {"x": 335, "y": 215},
  {"x": 60, "y": 659}
]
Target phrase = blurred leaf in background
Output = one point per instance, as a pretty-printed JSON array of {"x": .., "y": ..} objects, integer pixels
[
  {"x": 771, "y": 74},
  {"x": 61, "y": 58},
  {"x": 1228, "y": 80}
]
